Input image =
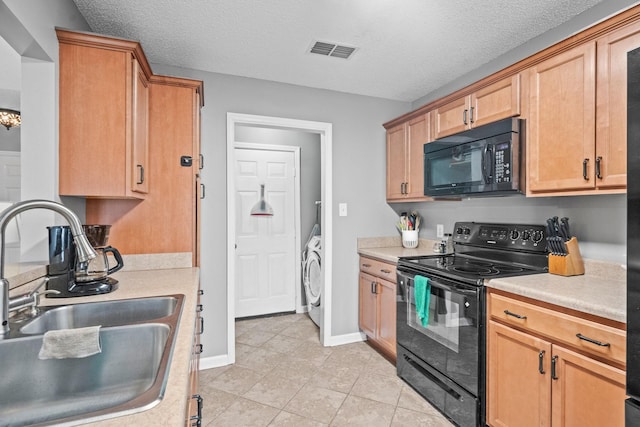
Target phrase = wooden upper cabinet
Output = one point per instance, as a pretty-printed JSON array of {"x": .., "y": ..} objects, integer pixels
[
  {"x": 396, "y": 162},
  {"x": 561, "y": 127},
  {"x": 611, "y": 107},
  {"x": 140, "y": 131},
  {"x": 497, "y": 101},
  {"x": 405, "y": 159},
  {"x": 103, "y": 136},
  {"x": 488, "y": 104}
]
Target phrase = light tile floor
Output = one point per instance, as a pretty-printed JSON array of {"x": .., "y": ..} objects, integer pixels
[{"x": 284, "y": 377}]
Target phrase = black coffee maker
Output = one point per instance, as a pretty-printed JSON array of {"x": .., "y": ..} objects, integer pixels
[{"x": 73, "y": 279}]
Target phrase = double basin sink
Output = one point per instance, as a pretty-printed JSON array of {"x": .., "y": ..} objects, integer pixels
[{"x": 129, "y": 375}]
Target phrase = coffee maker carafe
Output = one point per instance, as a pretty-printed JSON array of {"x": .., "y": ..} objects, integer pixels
[{"x": 72, "y": 278}]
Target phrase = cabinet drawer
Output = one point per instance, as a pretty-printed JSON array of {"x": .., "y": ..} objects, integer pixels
[
  {"x": 585, "y": 335},
  {"x": 378, "y": 268}
]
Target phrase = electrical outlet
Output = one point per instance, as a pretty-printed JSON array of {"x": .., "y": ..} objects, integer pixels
[
  {"x": 439, "y": 231},
  {"x": 342, "y": 209}
]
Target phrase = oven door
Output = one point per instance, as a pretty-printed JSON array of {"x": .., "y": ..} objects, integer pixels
[{"x": 451, "y": 339}]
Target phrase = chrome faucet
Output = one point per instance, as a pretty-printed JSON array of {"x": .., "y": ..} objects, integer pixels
[{"x": 84, "y": 250}]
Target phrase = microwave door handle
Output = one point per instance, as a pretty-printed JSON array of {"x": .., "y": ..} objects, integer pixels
[{"x": 487, "y": 173}]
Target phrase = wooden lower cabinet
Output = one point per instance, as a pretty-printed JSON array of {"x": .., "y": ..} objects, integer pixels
[
  {"x": 377, "y": 307},
  {"x": 534, "y": 381}
]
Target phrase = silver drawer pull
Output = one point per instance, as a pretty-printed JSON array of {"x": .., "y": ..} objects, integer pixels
[
  {"x": 508, "y": 313},
  {"x": 366, "y": 265},
  {"x": 592, "y": 341},
  {"x": 386, "y": 271}
]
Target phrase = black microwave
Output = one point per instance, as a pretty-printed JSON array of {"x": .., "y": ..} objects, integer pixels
[{"x": 483, "y": 161}]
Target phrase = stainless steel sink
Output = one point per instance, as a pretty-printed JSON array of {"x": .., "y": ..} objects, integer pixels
[
  {"x": 108, "y": 313},
  {"x": 128, "y": 376}
]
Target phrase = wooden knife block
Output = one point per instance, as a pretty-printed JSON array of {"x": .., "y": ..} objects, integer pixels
[{"x": 570, "y": 264}]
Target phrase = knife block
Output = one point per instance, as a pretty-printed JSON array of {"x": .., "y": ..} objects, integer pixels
[{"x": 570, "y": 264}]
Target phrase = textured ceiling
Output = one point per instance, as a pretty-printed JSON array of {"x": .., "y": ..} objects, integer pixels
[{"x": 406, "y": 49}]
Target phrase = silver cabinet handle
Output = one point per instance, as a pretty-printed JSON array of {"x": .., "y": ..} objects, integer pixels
[
  {"x": 196, "y": 420},
  {"x": 471, "y": 115},
  {"x": 518, "y": 316},
  {"x": 201, "y": 326},
  {"x": 592, "y": 341},
  {"x": 554, "y": 362},
  {"x": 585, "y": 163},
  {"x": 464, "y": 116},
  {"x": 541, "y": 362},
  {"x": 198, "y": 349},
  {"x": 199, "y": 308},
  {"x": 141, "y": 174},
  {"x": 374, "y": 289},
  {"x": 202, "y": 191},
  {"x": 598, "y": 167},
  {"x": 201, "y": 162}
]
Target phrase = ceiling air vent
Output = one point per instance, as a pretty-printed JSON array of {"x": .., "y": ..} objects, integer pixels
[{"x": 332, "y": 49}]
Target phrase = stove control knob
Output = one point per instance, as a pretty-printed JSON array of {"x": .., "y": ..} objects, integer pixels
[
  {"x": 514, "y": 234},
  {"x": 526, "y": 235},
  {"x": 537, "y": 236},
  {"x": 459, "y": 230},
  {"x": 467, "y": 231}
]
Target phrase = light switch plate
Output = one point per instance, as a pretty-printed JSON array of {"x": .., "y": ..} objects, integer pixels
[
  {"x": 342, "y": 209},
  {"x": 439, "y": 230}
]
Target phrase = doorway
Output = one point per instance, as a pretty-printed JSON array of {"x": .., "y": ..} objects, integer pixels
[{"x": 324, "y": 130}]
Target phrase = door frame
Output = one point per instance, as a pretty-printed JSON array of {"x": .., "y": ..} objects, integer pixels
[
  {"x": 296, "y": 208},
  {"x": 325, "y": 130}
]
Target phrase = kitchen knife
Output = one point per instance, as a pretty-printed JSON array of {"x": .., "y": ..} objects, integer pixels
[
  {"x": 551, "y": 237},
  {"x": 565, "y": 227}
]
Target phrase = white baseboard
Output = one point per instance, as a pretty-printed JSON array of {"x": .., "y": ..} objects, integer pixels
[
  {"x": 345, "y": 339},
  {"x": 214, "y": 361}
]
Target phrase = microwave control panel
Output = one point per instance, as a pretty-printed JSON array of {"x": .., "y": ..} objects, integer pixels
[{"x": 502, "y": 162}]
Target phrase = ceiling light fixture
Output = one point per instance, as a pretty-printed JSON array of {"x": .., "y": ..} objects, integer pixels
[
  {"x": 262, "y": 208},
  {"x": 10, "y": 118}
]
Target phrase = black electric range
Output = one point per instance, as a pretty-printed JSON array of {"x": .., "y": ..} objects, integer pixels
[{"x": 442, "y": 357}]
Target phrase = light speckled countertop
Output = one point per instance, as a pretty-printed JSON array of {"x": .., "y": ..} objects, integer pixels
[
  {"x": 172, "y": 409},
  {"x": 601, "y": 291}
]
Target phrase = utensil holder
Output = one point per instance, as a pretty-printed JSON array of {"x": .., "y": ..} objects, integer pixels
[
  {"x": 410, "y": 239},
  {"x": 570, "y": 264}
]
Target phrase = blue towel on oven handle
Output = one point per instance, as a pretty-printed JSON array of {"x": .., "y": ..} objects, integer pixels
[{"x": 422, "y": 295}]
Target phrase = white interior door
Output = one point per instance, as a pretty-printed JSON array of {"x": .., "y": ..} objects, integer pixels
[{"x": 265, "y": 251}]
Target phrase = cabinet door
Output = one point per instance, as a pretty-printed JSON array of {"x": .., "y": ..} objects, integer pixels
[
  {"x": 418, "y": 133},
  {"x": 386, "y": 327},
  {"x": 561, "y": 129},
  {"x": 140, "y": 134},
  {"x": 367, "y": 305},
  {"x": 494, "y": 102},
  {"x": 451, "y": 118},
  {"x": 611, "y": 109},
  {"x": 93, "y": 121},
  {"x": 518, "y": 378},
  {"x": 396, "y": 157},
  {"x": 586, "y": 392}
]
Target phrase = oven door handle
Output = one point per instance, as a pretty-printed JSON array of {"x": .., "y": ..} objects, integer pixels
[{"x": 436, "y": 284}]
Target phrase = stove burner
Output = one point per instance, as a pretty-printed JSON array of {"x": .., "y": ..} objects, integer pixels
[
  {"x": 476, "y": 270},
  {"x": 510, "y": 268}
]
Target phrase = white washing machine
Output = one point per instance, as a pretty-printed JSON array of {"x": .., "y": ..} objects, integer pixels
[{"x": 312, "y": 276}]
